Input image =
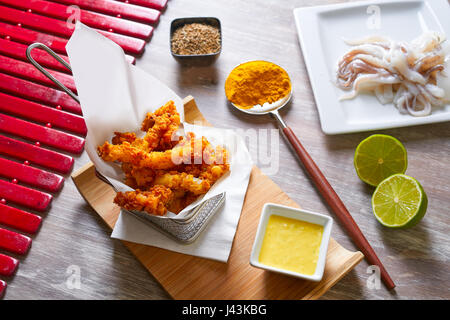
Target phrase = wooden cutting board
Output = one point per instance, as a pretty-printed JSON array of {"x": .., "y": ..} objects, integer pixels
[{"x": 189, "y": 277}]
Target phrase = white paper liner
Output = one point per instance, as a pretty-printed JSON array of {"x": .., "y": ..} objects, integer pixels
[{"x": 116, "y": 96}]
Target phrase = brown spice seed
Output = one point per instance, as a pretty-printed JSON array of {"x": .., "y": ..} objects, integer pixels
[{"x": 196, "y": 38}]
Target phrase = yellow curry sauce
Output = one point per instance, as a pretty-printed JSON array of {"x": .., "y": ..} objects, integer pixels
[{"x": 292, "y": 245}]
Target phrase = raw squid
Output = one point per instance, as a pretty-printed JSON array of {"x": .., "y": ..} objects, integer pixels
[{"x": 409, "y": 75}]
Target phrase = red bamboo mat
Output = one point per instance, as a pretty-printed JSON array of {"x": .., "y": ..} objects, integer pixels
[{"x": 41, "y": 127}]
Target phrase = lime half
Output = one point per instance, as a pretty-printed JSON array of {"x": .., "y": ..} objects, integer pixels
[
  {"x": 378, "y": 157},
  {"x": 399, "y": 201}
]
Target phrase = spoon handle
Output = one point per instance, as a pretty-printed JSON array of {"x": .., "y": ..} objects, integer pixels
[{"x": 336, "y": 204}]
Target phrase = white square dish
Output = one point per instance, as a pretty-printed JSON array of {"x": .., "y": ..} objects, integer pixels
[
  {"x": 321, "y": 31},
  {"x": 297, "y": 214}
]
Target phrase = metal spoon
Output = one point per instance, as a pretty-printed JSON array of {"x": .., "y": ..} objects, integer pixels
[
  {"x": 272, "y": 111},
  {"x": 326, "y": 190}
]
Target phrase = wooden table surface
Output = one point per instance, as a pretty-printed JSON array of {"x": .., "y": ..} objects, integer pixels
[{"x": 74, "y": 238}]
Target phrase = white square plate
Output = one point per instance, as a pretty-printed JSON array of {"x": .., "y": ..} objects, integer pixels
[{"x": 321, "y": 32}]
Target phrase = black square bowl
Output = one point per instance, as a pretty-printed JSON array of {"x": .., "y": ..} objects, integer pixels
[{"x": 196, "y": 58}]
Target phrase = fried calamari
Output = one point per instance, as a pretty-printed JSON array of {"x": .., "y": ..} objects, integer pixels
[
  {"x": 154, "y": 200},
  {"x": 167, "y": 171}
]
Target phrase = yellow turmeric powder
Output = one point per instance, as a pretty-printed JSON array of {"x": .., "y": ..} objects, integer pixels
[{"x": 255, "y": 83}]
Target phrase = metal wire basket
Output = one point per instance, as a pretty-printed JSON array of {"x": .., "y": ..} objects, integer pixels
[{"x": 184, "y": 230}]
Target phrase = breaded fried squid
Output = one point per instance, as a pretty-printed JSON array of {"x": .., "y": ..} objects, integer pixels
[
  {"x": 166, "y": 173},
  {"x": 154, "y": 201}
]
